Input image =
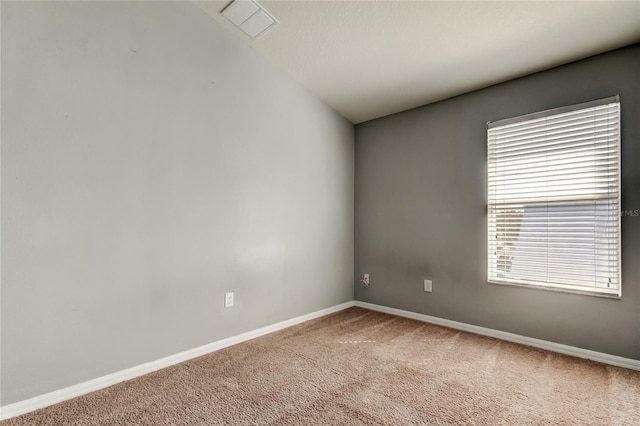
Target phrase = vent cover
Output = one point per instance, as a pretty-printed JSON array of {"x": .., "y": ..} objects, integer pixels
[{"x": 250, "y": 17}]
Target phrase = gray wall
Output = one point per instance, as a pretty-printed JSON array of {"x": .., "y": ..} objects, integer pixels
[
  {"x": 421, "y": 210},
  {"x": 151, "y": 162}
]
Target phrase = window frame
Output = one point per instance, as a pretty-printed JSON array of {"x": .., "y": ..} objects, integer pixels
[{"x": 618, "y": 231}]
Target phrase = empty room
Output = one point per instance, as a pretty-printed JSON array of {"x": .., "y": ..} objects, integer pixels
[{"x": 320, "y": 213}]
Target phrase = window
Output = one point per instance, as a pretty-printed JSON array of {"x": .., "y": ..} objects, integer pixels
[{"x": 554, "y": 199}]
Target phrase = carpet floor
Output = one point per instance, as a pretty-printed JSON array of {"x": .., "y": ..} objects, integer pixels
[{"x": 359, "y": 367}]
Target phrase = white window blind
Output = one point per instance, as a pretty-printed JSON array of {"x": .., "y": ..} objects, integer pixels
[{"x": 554, "y": 198}]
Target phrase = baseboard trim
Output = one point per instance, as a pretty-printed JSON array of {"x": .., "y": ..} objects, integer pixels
[
  {"x": 604, "y": 358},
  {"x": 45, "y": 400}
]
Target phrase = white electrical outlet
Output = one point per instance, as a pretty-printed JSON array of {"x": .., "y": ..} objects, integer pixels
[
  {"x": 365, "y": 280},
  {"x": 228, "y": 300},
  {"x": 428, "y": 285}
]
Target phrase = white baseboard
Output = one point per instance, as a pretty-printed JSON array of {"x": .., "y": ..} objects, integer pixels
[
  {"x": 617, "y": 361},
  {"x": 60, "y": 395}
]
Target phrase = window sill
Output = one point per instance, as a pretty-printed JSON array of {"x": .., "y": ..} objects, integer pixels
[{"x": 558, "y": 289}]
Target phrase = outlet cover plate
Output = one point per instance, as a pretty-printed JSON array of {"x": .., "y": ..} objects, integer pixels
[
  {"x": 228, "y": 300},
  {"x": 428, "y": 286}
]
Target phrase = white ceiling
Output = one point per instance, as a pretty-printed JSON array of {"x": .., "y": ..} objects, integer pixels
[{"x": 368, "y": 59}]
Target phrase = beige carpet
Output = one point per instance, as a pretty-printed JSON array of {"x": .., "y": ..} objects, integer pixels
[{"x": 359, "y": 367}]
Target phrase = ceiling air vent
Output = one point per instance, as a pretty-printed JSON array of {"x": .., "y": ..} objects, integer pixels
[{"x": 250, "y": 17}]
